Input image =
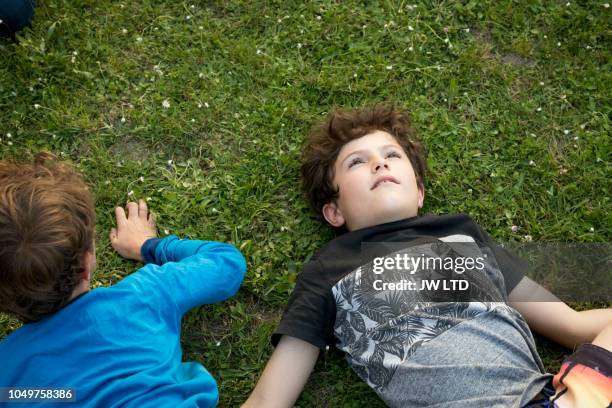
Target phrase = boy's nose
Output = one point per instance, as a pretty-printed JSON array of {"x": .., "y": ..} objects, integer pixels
[{"x": 380, "y": 164}]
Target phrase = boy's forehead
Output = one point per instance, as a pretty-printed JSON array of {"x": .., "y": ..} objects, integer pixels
[{"x": 373, "y": 140}]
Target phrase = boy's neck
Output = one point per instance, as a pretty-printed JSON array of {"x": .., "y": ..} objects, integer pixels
[{"x": 81, "y": 288}]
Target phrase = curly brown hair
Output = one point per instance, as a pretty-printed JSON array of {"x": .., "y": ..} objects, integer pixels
[
  {"x": 327, "y": 139},
  {"x": 47, "y": 223}
]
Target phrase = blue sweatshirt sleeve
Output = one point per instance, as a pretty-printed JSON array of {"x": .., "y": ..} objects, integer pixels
[{"x": 192, "y": 272}]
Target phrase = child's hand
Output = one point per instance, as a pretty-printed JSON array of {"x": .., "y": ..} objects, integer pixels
[{"x": 132, "y": 231}]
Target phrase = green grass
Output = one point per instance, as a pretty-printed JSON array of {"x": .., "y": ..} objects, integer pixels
[{"x": 492, "y": 85}]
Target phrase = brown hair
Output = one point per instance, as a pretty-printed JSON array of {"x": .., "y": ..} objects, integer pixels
[
  {"x": 47, "y": 222},
  {"x": 327, "y": 139}
]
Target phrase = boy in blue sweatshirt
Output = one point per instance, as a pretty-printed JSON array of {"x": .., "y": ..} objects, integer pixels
[{"x": 110, "y": 346}]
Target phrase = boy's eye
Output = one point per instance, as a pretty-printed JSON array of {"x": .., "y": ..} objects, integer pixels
[
  {"x": 394, "y": 154},
  {"x": 355, "y": 161}
]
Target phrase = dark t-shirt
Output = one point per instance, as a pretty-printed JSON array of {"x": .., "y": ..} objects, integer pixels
[
  {"x": 311, "y": 310},
  {"x": 452, "y": 348}
]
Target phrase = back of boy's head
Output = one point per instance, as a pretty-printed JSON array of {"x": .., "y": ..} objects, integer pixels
[
  {"x": 341, "y": 127},
  {"x": 47, "y": 222}
]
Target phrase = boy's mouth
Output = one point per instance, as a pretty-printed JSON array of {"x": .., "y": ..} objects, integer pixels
[{"x": 384, "y": 179}]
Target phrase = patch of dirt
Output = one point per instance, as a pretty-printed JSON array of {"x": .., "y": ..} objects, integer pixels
[
  {"x": 130, "y": 149},
  {"x": 510, "y": 58},
  {"x": 514, "y": 59}
]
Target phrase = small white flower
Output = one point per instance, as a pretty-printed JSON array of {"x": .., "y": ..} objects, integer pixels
[
  {"x": 541, "y": 83},
  {"x": 467, "y": 30},
  {"x": 258, "y": 52},
  {"x": 354, "y": 75},
  {"x": 606, "y": 5},
  {"x": 410, "y": 28},
  {"x": 528, "y": 238},
  {"x": 450, "y": 45},
  {"x": 54, "y": 136},
  {"x": 199, "y": 105},
  {"x": 122, "y": 119},
  {"x": 214, "y": 210},
  {"x": 446, "y": 40},
  {"x": 9, "y": 135},
  {"x": 9, "y": 143},
  {"x": 36, "y": 106},
  {"x": 107, "y": 182},
  {"x": 575, "y": 146},
  {"x": 568, "y": 4},
  {"x": 563, "y": 97},
  {"x": 592, "y": 229},
  {"x": 218, "y": 343},
  {"x": 166, "y": 103},
  {"x": 410, "y": 49},
  {"x": 545, "y": 36},
  {"x": 539, "y": 109},
  {"x": 192, "y": 120},
  {"x": 389, "y": 67},
  {"x": 148, "y": 199},
  {"x": 169, "y": 162},
  {"x": 531, "y": 163},
  {"x": 318, "y": 17},
  {"x": 566, "y": 132},
  {"x": 279, "y": 20},
  {"x": 588, "y": 47},
  {"x": 131, "y": 193},
  {"x": 139, "y": 39},
  {"x": 206, "y": 104},
  {"x": 75, "y": 52},
  {"x": 167, "y": 231},
  {"x": 141, "y": 179},
  {"x": 576, "y": 137},
  {"x": 192, "y": 6},
  {"x": 188, "y": 17},
  {"x": 558, "y": 44},
  {"x": 514, "y": 228},
  {"x": 299, "y": 45},
  {"x": 582, "y": 126}
]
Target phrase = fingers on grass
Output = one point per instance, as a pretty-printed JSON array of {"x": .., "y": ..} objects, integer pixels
[
  {"x": 142, "y": 209},
  {"x": 132, "y": 209},
  {"x": 120, "y": 215},
  {"x": 113, "y": 234}
]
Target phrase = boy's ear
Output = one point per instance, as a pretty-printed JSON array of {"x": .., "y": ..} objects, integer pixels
[
  {"x": 421, "y": 198},
  {"x": 333, "y": 215},
  {"x": 90, "y": 265}
]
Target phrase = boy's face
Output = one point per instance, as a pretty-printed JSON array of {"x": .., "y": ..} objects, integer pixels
[{"x": 376, "y": 184}]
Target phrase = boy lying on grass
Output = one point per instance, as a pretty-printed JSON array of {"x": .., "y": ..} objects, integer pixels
[
  {"x": 114, "y": 346},
  {"x": 364, "y": 172}
]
